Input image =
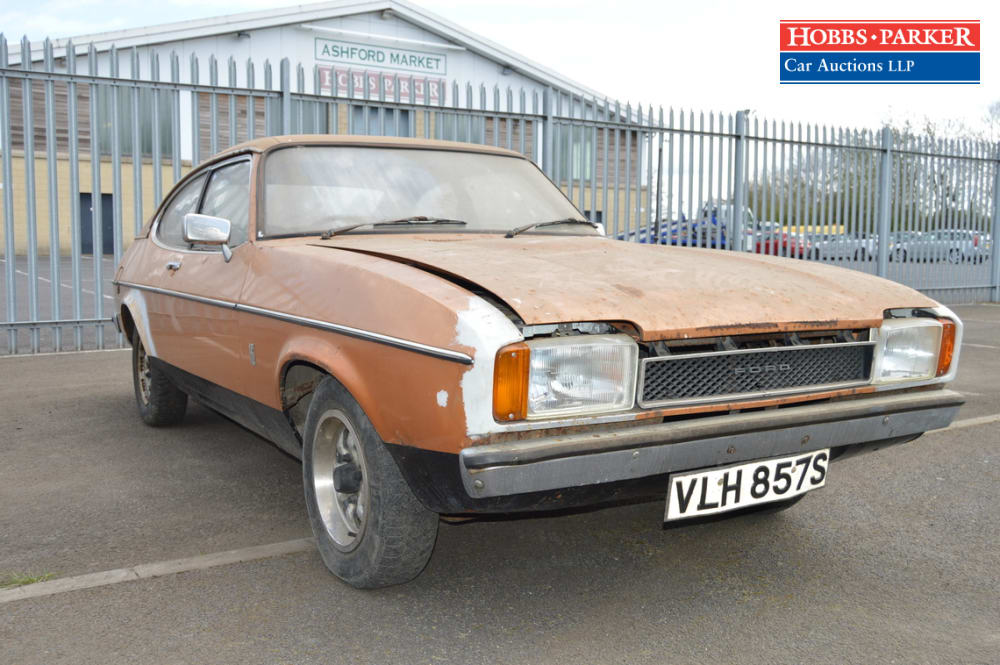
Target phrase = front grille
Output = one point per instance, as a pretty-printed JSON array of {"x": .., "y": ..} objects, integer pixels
[{"x": 722, "y": 375}]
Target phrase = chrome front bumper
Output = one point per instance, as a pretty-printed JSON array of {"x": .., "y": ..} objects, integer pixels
[{"x": 589, "y": 458}]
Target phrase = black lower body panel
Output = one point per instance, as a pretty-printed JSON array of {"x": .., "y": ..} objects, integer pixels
[
  {"x": 260, "y": 419},
  {"x": 435, "y": 479}
]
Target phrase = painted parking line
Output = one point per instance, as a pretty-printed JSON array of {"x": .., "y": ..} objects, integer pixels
[
  {"x": 980, "y": 346},
  {"x": 62, "y": 284},
  {"x": 27, "y": 356},
  {"x": 254, "y": 553},
  {"x": 158, "y": 569},
  {"x": 971, "y": 422}
]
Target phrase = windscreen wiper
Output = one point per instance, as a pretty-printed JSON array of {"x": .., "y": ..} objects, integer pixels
[
  {"x": 416, "y": 219},
  {"x": 420, "y": 219},
  {"x": 341, "y": 229},
  {"x": 536, "y": 225}
]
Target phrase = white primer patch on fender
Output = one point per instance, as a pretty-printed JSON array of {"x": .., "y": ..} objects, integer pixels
[
  {"x": 486, "y": 329},
  {"x": 135, "y": 301},
  {"x": 442, "y": 398}
]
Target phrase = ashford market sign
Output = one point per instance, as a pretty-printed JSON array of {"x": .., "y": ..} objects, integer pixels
[{"x": 366, "y": 55}]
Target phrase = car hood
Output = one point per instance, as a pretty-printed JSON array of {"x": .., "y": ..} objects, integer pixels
[{"x": 666, "y": 292}]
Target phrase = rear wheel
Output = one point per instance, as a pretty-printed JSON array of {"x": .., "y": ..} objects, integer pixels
[
  {"x": 370, "y": 529},
  {"x": 160, "y": 402}
]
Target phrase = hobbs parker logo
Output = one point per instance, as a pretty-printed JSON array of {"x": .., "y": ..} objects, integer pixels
[{"x": 879, "y": 52}]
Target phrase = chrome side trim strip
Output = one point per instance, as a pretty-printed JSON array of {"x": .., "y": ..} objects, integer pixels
[
  {"x": 388, "y": 340},
  {"x": 379, "y": 338},
  {"x": 225, "y": 304}
]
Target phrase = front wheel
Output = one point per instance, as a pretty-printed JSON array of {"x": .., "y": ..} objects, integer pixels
[
  {"x": 160, "y": 402},
  {"x": 371, "y": 531}
]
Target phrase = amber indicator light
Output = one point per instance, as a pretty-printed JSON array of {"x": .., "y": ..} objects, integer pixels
[
  {"x": 947, "y": 346},
  {"x": 510, "y": 382}
]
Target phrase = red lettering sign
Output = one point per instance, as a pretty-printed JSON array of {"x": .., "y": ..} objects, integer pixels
[{"x": 381, "y": 85}]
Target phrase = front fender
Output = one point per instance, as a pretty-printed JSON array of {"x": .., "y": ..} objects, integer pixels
[{"x": 411, "y": 398}]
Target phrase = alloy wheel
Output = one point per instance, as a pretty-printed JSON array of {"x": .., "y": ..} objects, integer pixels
[{"x": 340, "y": 477}]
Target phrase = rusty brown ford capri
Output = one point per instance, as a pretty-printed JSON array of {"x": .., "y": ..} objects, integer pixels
[{"x": 434, "y": 329}]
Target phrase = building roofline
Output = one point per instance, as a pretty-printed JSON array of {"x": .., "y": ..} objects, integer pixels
[{"x": 232, "y": 23}]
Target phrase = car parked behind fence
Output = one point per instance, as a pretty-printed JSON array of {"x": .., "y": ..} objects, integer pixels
[
  {"x": 434, "y": 328},
  {"x": 859, "y": 246}
]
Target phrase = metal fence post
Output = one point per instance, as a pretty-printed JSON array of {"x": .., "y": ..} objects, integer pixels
[
  {"x": 9, "y": 251},
  {"x": 735, "y": 240},
  {"x": 286, "y": 96},
  {"x": 884, "y": 202},
  {"x": 995, "y": 231},
  {"x": 547, "y": 130},
  {"x": 659, "y": 180}
]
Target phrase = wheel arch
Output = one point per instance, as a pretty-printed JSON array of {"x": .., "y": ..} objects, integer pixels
[
  {"x": 127, "y": 323},
  {"x": 133, "y": 318},
  {"x": 303, "y": 365},
  {"x": 299, "y": 380}
]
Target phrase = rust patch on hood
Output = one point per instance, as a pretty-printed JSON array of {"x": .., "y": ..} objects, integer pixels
[
  {"x": 667, "y": 292},
  {"x": 629, "y": 290}
]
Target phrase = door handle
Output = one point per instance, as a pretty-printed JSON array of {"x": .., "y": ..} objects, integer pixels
[{"x": 173, "y": 266}]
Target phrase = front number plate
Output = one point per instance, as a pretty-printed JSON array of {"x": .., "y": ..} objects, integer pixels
[{"x": 699, "y": 493}]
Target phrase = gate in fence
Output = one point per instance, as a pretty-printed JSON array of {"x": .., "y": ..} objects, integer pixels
[{"x": 91, "y": 142}]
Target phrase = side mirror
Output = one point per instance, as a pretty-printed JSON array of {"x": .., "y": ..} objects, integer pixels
[{"x": 208, "y": 230}]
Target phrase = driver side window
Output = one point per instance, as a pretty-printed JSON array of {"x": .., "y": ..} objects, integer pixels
[
  {"x": 171, "y": 228},
  {"x": 228, "y": 196}
]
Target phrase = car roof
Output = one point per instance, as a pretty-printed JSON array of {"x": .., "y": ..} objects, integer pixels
[
  {"x": 268, "y": 143},
  {"x": 272, "y": 142}
]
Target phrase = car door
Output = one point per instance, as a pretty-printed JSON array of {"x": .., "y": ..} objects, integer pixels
[{"x": 192, "y": 311}]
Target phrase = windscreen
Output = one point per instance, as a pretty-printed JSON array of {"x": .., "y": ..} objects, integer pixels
[{"x": 312, "y": 189}]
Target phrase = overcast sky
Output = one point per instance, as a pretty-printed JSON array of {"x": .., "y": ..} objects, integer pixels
[{"x": 707, "y": 55}]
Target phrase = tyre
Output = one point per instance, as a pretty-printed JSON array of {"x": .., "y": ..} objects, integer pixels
[
  {"x": 160, "y": 402},
  {"x": 954, "y": 256},
  {"x": 370, "y": 529},
  {"x": 861, "y": 255},
  {"x": 898, "y": 255}
]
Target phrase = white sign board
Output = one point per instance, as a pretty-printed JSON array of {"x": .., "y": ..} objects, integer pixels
[{"x": 368, "y": 55}]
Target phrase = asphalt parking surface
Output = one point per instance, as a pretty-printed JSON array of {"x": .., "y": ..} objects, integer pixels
[{"x": 897, "y": 559}]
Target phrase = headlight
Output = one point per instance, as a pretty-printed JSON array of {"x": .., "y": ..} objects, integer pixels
[
  {"x": 914, "y": 349},
  {"x": 563, "y": 376}
]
